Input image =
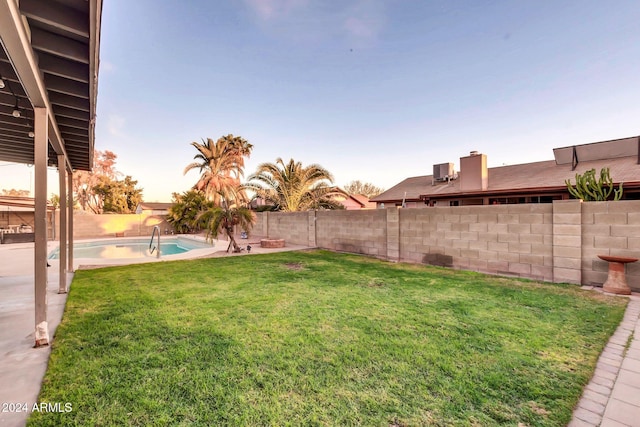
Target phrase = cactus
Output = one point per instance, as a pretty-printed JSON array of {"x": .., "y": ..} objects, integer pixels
[{"x": 589, "y": 188}]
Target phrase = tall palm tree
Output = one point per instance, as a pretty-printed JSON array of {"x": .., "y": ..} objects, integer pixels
[
  {"x": 221, "y": 165},
  {"x": 219, "y": 219},
  {"x": 293, "y": 187}
]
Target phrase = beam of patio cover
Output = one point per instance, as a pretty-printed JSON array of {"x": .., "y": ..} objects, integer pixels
[
  {"x": 65, "y": 18},
  {"x": 18, "y": 47}
]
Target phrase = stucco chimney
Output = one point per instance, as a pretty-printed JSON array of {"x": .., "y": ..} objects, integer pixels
[{"x": 473, "y": 172}]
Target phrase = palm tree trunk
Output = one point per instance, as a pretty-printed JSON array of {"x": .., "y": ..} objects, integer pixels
[{"x": 232, "y": 241}]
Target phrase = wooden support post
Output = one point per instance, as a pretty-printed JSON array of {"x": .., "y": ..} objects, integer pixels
[
  {"x": 63, "y": 235},
  {"x": 70, "y": 219},
  {"x": 41, "y": 148}
]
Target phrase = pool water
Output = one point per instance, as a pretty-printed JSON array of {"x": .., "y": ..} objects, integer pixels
[{"x": 137, "y": 248}]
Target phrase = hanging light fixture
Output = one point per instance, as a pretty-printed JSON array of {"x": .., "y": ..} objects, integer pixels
[{"x": 16, "y": 110}]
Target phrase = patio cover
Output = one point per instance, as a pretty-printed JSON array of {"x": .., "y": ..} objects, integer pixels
[{"x": 49, "y": 66}]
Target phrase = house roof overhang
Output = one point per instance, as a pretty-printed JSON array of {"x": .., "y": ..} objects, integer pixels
[
  {"x": 497, "y": 193},
  {"x": 50, "y": 59},
  {"x": 20, "y": 204}
]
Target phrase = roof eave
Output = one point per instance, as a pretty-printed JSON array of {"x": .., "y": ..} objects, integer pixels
[{"x": 17, "y": 44}]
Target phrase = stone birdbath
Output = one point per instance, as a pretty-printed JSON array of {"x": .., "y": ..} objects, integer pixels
[{"x": 617, "y": 282}]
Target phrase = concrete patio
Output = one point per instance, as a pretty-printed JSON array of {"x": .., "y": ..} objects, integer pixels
[{"x": 22, "y": 366}]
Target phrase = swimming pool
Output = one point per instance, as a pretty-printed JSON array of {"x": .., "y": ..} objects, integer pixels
[{"x": 137, "y": 248}]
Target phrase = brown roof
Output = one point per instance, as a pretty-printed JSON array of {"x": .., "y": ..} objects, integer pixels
[
  {"x": 360, "y": 199},
  {"x": 411, "y": 187},
  {"x": 533, "y": 177},
  {"x": 363, "y": 200},
  {"x": 21, "y": 203}
]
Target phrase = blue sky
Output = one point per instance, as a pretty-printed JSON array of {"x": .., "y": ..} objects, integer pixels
[{"x": 371, "y": 90}]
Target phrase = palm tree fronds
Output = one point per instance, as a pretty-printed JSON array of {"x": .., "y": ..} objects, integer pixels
[
  {"x": 291, "y": 186},
  {"x": 221, "y": 165}
]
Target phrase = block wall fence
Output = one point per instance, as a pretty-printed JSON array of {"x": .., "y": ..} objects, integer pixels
[
  {"x": 113, "y": 225},
  {"x": 557, "y": 242}
]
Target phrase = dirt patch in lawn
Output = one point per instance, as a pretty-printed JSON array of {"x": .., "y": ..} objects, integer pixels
[{"x": 296, "y": 266}]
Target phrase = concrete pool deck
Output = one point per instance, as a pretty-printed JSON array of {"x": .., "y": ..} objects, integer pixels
[
  {"x": 80, "y": 263},
  {"x": 22, "y": 367}
]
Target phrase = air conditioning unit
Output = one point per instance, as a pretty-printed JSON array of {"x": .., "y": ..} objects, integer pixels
[{"x": 443, "y": 171}]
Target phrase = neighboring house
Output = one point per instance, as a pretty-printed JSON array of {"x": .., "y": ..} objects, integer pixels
[
  {"x": 153, "y": 208},
  {"x": 349, "y": 201},
  {"x": 17, "y": 217},
  {"x": 364, "y": 201},
  {"x": 539, "y": 182},
  {"x": 353, "y": 201},
  {"x": 257, "y": 202}
]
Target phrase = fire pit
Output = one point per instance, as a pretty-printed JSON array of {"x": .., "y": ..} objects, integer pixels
[{"x": 272, "y": 243}]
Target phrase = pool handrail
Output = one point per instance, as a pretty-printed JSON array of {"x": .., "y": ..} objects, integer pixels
[{"x": 155, "y": 228}]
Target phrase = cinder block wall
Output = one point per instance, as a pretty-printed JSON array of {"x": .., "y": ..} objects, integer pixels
[
  {"x": 260, "y": 228},
  {"x": 110, "y": 225},
  {"x": 610, "y": 228},
  {"x": 504, "y": 239},
  {"x": 567, "y": 241},
  {"x": 293, "y": 227},
  {"x": 558, "y": 242},
  {"x": 362, "y": 232}
]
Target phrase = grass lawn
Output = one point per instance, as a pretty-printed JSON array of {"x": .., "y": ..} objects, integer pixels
[{"x": 318, "y": 338}]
